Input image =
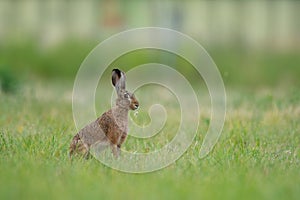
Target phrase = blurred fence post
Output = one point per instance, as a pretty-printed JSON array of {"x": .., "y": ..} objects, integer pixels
[{"x": 256, "y": 24}]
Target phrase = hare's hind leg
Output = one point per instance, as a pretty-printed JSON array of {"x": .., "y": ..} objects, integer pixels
[
  {"x": 98, "y": 147},
  {"x": 77, "y": 146},
  {"x": 73, "y": 145}
]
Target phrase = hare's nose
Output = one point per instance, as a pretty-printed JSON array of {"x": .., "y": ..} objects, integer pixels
[{"x": 136, "y": 106}]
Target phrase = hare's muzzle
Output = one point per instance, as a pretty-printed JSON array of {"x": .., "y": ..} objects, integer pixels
[{"x": 134, "y": 104}]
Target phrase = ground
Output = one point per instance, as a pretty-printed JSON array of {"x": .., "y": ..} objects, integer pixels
[{"x": 257, "y": 156}]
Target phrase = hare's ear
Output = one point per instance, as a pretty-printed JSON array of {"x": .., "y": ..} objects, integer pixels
[{"x": 118, "y": 79}]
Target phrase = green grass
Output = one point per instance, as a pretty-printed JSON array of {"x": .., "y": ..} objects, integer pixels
[
  {"x": 238, "y": 65},
  {"x": 257, "y": 156}
]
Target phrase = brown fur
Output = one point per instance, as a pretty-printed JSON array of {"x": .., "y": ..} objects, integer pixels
[{"x": 111, "y": 128}]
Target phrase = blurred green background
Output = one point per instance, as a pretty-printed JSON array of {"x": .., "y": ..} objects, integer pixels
[{"x": 254, "y": 43}]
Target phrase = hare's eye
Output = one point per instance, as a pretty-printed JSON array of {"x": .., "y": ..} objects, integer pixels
[{"x": 126, "y": 95}]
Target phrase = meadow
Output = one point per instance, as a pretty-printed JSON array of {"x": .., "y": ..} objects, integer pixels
[{"x": 256, "y": 157}]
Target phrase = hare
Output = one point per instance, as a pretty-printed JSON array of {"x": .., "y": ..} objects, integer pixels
[{"x": 110, "y": 129}]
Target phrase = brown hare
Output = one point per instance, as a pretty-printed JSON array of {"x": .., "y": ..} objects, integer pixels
[{"x": 110, "y": 129}]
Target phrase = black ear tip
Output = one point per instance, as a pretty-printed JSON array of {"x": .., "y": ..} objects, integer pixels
[
  {"x": 116, "y": 75},
  {"x": 117, "y": 71}
]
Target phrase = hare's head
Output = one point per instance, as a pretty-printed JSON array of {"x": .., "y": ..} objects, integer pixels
[{"x": 125, "y": 99}]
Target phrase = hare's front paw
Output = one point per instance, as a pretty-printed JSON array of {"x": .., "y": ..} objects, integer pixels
[{"x": 116, "y": 150}]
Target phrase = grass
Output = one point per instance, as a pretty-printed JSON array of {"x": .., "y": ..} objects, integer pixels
[
  {"x": 237, "y": 64},
  {"x": 257, "y": 156}
]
